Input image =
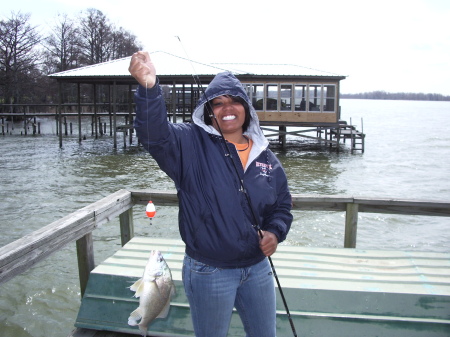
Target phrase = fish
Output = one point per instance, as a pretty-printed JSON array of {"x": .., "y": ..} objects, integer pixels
[{"x": 155, "y": 290}]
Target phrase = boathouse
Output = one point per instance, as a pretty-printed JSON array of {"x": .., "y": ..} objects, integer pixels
[{"x": 284, "y": 95}]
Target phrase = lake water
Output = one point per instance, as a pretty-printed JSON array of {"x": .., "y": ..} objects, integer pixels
[{"x": 407, "y": 156}]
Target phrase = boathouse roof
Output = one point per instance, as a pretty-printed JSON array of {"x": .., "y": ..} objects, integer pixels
[{"x": 171, "y": 67}]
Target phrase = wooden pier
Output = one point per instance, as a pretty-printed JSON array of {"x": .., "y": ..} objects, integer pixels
[
  {"x": 286, "y": 97},
  {"x": 346, "y": 291},
  {"x": 332, "y": 134}
]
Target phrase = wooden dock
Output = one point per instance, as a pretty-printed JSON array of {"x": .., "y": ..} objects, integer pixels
[
  {"x": 344, "y": 132},
  {"x": 345, "y": 289},
  {"x": 330, "y": 292},
  {"x": 329, "y": 133}
]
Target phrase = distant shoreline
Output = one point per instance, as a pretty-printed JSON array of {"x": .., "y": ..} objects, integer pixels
[{"x": 404, "y": 96}]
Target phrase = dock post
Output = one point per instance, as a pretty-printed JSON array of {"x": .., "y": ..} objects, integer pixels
[
  {"x": 351, "y": 225},
  {"x": 99, "y": 125},
  {"x": 34, "y": 125},
  {"x": 126, "y": 226},
  {"x": 85, "y": 253},
  {"x": 173, "y": 103},
  {"x": 114, "y": 121},
  {"x": 79, "y": 111},
  {"x": 59, "y": 119},
  {"x": 282, "y": 135},
  {"x": 95, "y": 111},
  {"x": 25, "y": 119},
  {"x": 130, "y": 111}
]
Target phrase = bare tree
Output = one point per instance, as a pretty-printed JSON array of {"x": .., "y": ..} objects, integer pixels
[
  {"x": 62, "y": 46},
  {"x": 95, "y": 37},
  {"x": 19, "y": 57},
  {"x": 124, "y": 43}
]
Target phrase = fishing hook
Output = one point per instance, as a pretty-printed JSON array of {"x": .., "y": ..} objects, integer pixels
[{"x": 241, "y": 181}]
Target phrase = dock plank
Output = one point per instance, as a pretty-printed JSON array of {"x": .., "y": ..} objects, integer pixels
[{"x": 350, "y": 291}]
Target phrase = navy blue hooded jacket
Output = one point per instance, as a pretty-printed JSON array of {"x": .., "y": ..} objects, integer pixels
[{"x": 215, "y": 221}]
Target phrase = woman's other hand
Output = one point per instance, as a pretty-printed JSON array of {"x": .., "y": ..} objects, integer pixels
[{"x": 268, "y": 243}]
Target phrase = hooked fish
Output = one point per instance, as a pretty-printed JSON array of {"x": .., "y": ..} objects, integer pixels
[{"x": 154, "y": 289}]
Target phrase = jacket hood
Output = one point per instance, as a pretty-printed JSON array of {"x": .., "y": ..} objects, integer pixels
[{"x": 227, "y": 84}]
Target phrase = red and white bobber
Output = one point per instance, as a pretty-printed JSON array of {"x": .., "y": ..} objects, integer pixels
[{"x": 150, "y": 211}]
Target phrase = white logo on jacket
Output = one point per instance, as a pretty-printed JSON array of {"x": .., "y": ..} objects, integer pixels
[{"x": 264, "y": 169}]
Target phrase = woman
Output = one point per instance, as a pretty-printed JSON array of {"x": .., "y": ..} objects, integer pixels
[{"x": 225, "y": 265}]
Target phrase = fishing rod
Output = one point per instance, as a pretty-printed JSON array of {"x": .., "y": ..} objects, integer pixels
[{"x": 229, "y": 154}]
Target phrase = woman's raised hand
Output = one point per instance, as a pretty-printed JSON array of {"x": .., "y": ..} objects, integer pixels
[{"x": 142, "y": 69}]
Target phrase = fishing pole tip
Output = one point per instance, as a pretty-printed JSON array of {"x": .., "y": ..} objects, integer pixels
[{"x": 178, "y": 37}]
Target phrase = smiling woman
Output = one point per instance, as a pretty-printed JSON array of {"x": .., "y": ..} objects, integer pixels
[{"x": 226, "y": 235}]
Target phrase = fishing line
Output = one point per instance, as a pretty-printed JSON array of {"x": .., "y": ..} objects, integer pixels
[{"x": 241, "y": 181}]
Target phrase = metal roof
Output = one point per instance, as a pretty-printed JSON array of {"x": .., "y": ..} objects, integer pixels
[{"x": 175, "y": 66}]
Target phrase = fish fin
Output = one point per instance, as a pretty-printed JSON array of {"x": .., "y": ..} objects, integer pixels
[
  {"x": 165, "y": 311},
  {"x": 135, "y": 285},
  {"x": 138, "y": 287},
  {"x": 135, "y": 316}
]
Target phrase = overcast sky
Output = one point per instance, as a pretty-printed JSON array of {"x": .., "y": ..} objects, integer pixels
[{"x": 390, "y": 45}]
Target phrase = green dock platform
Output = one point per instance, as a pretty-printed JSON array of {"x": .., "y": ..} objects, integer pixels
[{"x": 330, "y": 292}]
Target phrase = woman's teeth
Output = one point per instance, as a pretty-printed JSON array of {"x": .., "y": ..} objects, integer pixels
[{"x": 228, "y": 118}]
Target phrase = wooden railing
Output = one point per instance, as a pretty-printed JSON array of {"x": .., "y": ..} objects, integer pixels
[{"x": 78, "y": 226}]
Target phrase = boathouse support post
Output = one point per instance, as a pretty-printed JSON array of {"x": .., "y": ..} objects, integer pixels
[
  {"x": 126, "y": 226},
  {"x": 59, "y": 118},
  {"x": 25, "y": 122},
  {"x": 130, "y": 112},
  {"x": 85, "y": 253},
  {"x": 79, "y": 110},
  {"x": 282, "y": 137},
  {"x": 351, "y": 225},
  {"x": 95, "y": 111},
  {"x": 174, "y": 102},
  {"x": 114, "y": 107}
]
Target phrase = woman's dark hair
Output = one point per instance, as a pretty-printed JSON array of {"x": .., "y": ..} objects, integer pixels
[{"x": 208, "y": 106}]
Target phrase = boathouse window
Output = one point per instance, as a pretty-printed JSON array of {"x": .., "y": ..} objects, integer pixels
[
  {"x": 314, "y": 98},
  {"x": 272, "y": 97},
  {"x": 256, "y": 93},
  {"x": 329, "y": 93},
  {"x": 300, "y": 97},
  {"x": 321, "y": 98},
  {"x": 286, "y": 97}
]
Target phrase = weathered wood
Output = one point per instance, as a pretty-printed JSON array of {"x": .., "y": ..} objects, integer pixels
[
  {"x": 85, "y": 253},
  {"x": 126, "y": 226},
  {"x": 162, "y": 198},
  {"x": 407, "y": 207},
  {"x": 351, "y": 224},
  {"x": 320, "y": 202},
  {"x": 22, "y": 254}
]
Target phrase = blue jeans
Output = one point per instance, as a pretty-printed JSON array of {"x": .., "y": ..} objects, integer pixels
[{"x": 213, "y": 292}]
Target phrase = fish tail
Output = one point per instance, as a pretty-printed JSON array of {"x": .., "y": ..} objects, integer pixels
[
  {"x": 143, "y": 330},
  {"x": 135, "y": 316}
]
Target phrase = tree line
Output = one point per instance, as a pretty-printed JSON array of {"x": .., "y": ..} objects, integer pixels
[
  {"x": 27, "y": 56},
  {"x": 398, "y": 96}
]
